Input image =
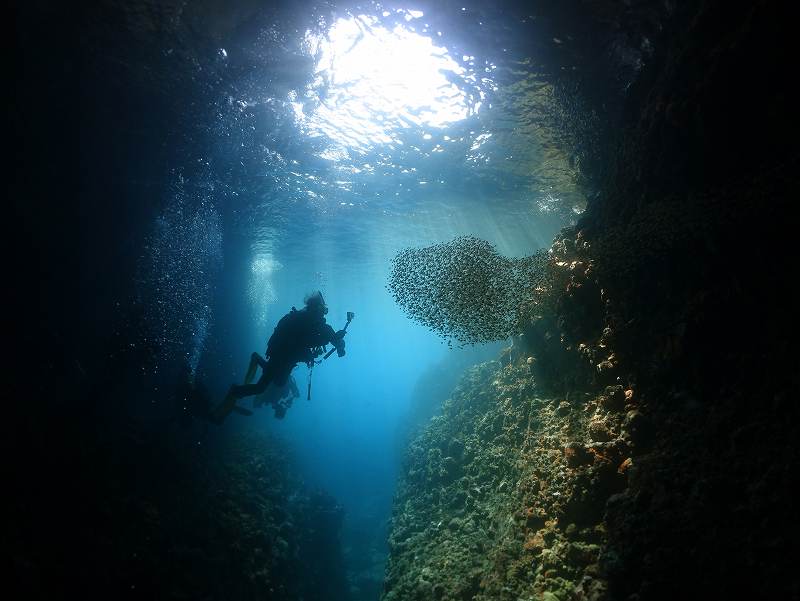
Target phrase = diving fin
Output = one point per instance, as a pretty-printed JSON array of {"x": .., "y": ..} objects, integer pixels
[
  {"x": 227, "y": 405},
  {"x": 251, "y": 370}
]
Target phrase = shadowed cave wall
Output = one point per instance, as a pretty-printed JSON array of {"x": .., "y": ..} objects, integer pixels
[{"x": 637, "y": 442}]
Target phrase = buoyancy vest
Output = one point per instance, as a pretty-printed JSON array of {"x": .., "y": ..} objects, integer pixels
[{"x": 297, "y": 333}]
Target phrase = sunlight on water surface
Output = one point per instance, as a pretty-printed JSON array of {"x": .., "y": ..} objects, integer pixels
[{"x": 372, "y": 81}]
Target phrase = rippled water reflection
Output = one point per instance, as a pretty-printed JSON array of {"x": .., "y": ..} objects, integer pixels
[
  {"x": 374, "y": 80},
  {"x": 390, "y": 133}
]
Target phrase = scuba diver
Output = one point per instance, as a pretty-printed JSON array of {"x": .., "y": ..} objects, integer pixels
[
  {"x": 280, "y": 397},
  {"x": 299, "y": 336}
]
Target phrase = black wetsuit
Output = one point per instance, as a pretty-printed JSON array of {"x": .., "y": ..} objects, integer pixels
[{"x": 295, "y": 339}]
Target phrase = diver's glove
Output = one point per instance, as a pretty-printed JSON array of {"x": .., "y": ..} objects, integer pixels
[{"x": 338, "y": 342}]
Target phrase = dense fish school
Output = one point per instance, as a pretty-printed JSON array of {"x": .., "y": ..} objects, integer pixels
[{"x": 464, "y": 289}]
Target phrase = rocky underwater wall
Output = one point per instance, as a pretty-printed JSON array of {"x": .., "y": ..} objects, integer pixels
[{"x": 638, "y": 439}]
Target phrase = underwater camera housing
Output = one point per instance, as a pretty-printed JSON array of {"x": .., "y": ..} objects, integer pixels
[{"x": 350, "y": 316}]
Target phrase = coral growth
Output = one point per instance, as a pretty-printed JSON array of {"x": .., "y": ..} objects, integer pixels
[{"x": 503, "y": 494}]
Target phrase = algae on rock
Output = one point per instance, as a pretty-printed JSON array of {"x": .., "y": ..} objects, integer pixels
[{"x": 493, "y": 503}]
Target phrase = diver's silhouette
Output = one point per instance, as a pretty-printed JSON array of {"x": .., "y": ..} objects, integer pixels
[{"x": 299, "y": 336}]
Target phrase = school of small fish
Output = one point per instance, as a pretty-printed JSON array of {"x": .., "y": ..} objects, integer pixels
[{"x": 464, "y": 290}]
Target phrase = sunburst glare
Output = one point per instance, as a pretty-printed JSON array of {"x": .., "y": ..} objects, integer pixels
[{"x": 373, "y": 81}]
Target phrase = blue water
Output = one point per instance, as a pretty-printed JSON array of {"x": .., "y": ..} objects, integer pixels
[{"x": 331, "y": 146}]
